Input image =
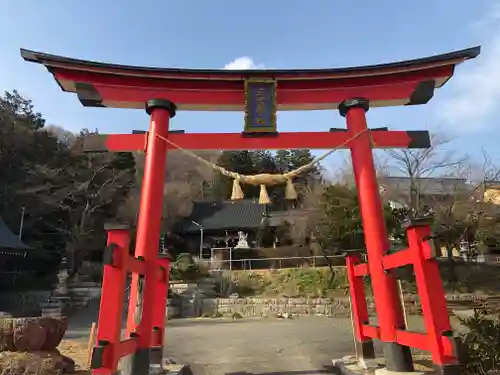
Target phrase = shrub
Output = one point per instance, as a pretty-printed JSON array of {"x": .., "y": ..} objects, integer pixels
[
  {"x": 184, "y": 268},
  {"x": 479, "y": 348},
  {"x": 224, "y": 285}
]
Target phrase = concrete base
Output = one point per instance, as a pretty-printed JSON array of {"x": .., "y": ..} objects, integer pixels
[
  {"x": 384, "y": 371},
  {"x": 172, "y": 368},
  {"x": 367, "y": 364},
  {"x": 178, "y": 370},
  {"x": 351, "y": 366}
]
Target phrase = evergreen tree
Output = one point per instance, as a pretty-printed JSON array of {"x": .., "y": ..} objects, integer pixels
[
  {"x": 255, "y": 162},
  {"x": 340, "y": 226}
]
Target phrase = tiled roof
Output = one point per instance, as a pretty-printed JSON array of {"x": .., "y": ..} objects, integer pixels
[
  {"x": 292, "y": 217},
  {"x": 427, "y": 186},
  {"x": 9, "y": 240},
  {"x": 223, "y": 215}
]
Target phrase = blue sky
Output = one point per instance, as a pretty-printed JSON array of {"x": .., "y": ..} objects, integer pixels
[{"x": 265, "y": 33}]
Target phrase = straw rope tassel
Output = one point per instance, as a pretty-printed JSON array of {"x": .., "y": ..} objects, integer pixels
[
  {"x": 263, "y": 196},
  {"x": 237, "y": 191},
  {"x": 264, "y": 179},
  {"x": 290, "y": 192}
]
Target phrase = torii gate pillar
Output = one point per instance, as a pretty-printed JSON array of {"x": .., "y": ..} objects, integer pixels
[
  {"x": 142, "y": 290},
  {"x": 388, "y": 306}
]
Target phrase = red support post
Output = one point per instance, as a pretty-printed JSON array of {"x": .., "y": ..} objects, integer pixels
[
  {"x": 387, "y": 304},
  {"x": 432, "y": 298},
  {"x": 112, "y": 298},
  {"x": 142, "y": 291},
  {"x": 359, "y": 312},
  {"x": 159, "y": 311}
]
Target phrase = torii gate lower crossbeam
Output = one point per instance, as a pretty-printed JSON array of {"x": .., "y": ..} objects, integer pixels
[
  {"x": 381, "y": 138},
  {"x": 357, "y": 138}
]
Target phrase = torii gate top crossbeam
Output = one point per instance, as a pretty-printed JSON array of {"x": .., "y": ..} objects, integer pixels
[{"x": 97, "y": 84}]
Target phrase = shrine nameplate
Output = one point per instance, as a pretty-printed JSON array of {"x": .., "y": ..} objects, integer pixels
[{"x": 260, "y": 106}]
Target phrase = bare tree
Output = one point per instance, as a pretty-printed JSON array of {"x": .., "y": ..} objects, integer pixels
[
  {"x": 345, "y": 174},
  {"x": 82, "y": 193},
  {"x": 305, "y": 220},
  {"x": 185, "y": 180},
  {"x": 418, "y": 164},
  {"x": 462, "y": 217},
  {"x": 65, "y": 136},
  {"x": 485, "y": 195}
]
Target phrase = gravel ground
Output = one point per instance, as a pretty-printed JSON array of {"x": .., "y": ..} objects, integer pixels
[
  {"x": 253, "y": 346},
  {"x": 258, "y": 346},
  {"x": 250, "y": 345}
]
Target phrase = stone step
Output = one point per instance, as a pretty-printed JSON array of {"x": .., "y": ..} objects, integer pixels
[{"x": 80, "y": 296}]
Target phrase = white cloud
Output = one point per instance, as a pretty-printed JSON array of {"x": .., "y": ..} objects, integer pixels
[
  {"x": 476, "y": 86},
  {"x": 243, "y": 63}
]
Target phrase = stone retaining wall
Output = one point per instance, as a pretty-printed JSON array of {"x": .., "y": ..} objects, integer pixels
[
  {"x": 31, "y": 303},
  {"x": 275, "y": 306},
  {"x": 24, "y": 303},
  {"x": 313, "y": 306}
]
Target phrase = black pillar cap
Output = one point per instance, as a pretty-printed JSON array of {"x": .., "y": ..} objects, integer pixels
[
  {"x": 353, "y": 103},
  {"x": 454, "y": 369},
  {"x": 398, "y": 358},
  {"x": 165, "y": 255},
  {"x": 419, "y": 139},
  {"x": 417, "y": 222},
  {"x": 365, "y": 349},
  {"x": 116, "y": 226},
  {"x": 161, "y": 103},
  {"x": 141, "y": 361}
]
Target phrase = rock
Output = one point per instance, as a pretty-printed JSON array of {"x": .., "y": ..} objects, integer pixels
[
  {"x": 31, "y": 334},
  {"x": 54, "y": 330},
  {"x": 28, "y": 335},
  {"x": 68, "y": 365}
]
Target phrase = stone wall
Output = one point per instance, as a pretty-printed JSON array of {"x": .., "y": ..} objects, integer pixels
[
  {"x": 31, "y": 303},
  {"x": 315, "y": 306},
  {"x": 274, "y": 306},
  {"x": 82, "y": 293},
  {"x": 23, "y": 303}
]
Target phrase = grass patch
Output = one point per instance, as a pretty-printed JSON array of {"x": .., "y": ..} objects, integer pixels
[
  {"x": 296, "y": 282},
  {"x": 318, "y": 282}
]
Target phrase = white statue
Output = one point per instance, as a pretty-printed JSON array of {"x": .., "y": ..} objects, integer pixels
[{"x": 242, "y": 241}]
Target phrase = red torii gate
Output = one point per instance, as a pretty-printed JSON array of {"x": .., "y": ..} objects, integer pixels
[{"x": 261, "y": 93}]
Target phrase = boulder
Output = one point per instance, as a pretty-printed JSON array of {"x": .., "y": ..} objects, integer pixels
[
  {"x": 31, "y": 334},
  {"x": 68, "y": 365},
  {"x": 28, "y": 335},
  {"x": 54, "y": 332}
]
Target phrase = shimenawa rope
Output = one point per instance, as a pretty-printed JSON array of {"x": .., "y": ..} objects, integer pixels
[{"x": 263, "y": 179}]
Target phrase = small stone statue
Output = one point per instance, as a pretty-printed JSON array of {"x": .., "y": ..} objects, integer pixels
[{"x": 242, "y": 241}]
